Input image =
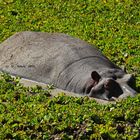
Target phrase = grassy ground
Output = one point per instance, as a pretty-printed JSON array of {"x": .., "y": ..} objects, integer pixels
[
  {"x": 31, "y": 113},
  {"x": 113, "y": 26}
]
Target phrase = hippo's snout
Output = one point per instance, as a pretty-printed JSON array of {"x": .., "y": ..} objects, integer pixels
[
  {"x": 110, "y": 89},
  {"x": 127, "y": 91}
]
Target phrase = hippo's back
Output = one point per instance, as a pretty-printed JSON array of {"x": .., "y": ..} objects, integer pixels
[{"x": 44, "y": 56}]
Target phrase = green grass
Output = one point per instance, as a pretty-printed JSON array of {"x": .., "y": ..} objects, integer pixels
[
  {"x": 113, "y": 26},
  {"x": 31, "y": 113}
]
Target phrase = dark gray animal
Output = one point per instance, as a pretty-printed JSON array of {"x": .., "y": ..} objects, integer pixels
[{"x": 68, "y": 63}]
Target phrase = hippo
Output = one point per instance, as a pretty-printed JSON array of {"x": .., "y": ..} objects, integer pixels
[{"x": 66, "y": 62}]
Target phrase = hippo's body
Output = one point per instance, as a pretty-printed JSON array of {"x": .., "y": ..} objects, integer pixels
[{"x": 66, "y": 62}]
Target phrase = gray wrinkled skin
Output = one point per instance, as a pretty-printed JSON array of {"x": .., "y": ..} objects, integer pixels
[{"x": 68, "y": 63}]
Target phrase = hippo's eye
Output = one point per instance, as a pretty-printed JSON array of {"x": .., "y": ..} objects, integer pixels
[{"x": 107, "y": 85}]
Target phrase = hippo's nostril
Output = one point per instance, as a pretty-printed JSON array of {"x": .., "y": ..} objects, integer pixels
[{"x": 114, "y": 77}]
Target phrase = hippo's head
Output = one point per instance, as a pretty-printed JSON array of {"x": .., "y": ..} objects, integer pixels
[{"x": 111, "y": 88}]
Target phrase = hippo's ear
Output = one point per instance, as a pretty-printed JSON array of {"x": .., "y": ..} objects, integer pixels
[{"x": 95, "y": 76}]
